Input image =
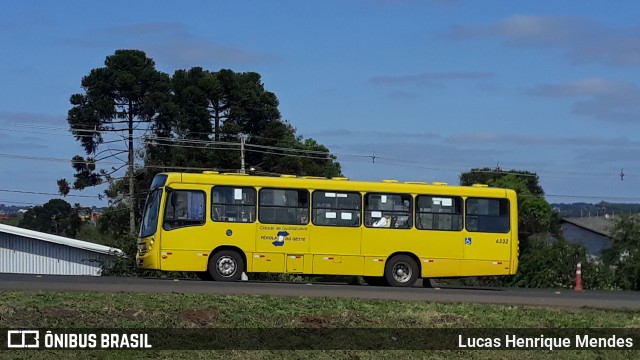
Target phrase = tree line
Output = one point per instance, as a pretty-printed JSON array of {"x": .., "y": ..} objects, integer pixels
[{"x": 188, "y": 121}]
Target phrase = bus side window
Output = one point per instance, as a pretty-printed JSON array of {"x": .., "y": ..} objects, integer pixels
[
  {"x": 233, "y": 204},
  {"x": 284, "y": 206},
  {"x": 438, "y": 212},
  {"x": 388, "y": 210},
  {"x": 335, "y": 208}
]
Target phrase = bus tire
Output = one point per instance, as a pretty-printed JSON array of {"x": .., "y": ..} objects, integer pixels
[
  {"x": 376, "y": 281},
  {"x": 401, "y": 271},
  {"x": 226, "y": 265}
]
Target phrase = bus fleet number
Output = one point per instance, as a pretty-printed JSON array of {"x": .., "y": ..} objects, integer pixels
[{"x": 502, "y": 241}]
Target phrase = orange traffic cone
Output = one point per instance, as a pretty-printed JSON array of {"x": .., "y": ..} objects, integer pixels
[{"x": 579, "y": 277}]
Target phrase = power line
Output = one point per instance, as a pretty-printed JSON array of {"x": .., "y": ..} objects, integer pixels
[
  {"x": 231, "y": 144},
  {"x": 45, "y": 193},
  {"x": 327, "y": 155},
  {"x": 293, "y": 152},
  {"x": 41, "y": 158}
]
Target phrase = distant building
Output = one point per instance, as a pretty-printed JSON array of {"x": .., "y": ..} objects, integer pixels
[
  {"x": 592, "y": 232},
  {"x": 25, "y": 251}
]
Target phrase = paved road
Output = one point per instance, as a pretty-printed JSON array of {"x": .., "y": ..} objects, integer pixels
[{"x": 538, "y": 297}]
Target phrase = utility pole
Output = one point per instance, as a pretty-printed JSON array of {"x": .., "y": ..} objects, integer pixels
[{"x": 243, "y": 140}]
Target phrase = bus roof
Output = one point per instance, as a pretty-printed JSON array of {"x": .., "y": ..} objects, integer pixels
[{"x": 339, "y": 183}]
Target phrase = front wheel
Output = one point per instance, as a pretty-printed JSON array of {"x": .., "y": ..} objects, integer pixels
[
  {"x": 226, "y": 266},
  {"x": 401, "y": 270}
]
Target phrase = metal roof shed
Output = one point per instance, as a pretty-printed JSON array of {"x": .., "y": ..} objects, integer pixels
[{"x": 25, "y": 251}]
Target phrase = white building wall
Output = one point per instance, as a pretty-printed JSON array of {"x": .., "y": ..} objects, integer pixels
[{"x": 23, "y": 255}]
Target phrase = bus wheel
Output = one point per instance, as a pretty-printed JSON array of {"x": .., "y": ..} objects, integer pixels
[
  {"x": 226, "y": 266},
  {"x": 376, "y": 280},
  {"x": 401, "y": 270}
]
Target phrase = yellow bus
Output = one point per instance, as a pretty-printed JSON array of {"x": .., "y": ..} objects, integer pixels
[{"x": 223, "y": 225}]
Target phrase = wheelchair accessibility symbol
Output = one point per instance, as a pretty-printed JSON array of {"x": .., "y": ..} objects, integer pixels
[{"x": 467, "y": 241}]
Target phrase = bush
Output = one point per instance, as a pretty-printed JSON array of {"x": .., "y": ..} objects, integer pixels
[
  {"x": 624, "y": 256},
  {"x": 550, "y": 262}
]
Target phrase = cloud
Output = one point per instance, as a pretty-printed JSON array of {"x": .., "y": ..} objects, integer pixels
[
  {"x": 418, "y": 2},
  {"x": 477, "y": 149},
  {"x": 583, "y": 40},
  {"x": 173, "y": 44},
  {"x": 603, "y": 99},
  {"x": 33, "y": 118},
  {"x": 5, "y": 25},
  {"x": 417, "y": 155},
  {"x": 145, "y": 29},
  {"x": 186, "y": 51},
  {"x": 490, "y": 139},
  {"x": 402, "y": 95},
  {"x": 608, "y": 155},
  {"x": 12, "y": 143},
  {"x": 433, "y": 79},
  {"x": 442, "y": 157},
  {"x": 368, "y": 134}
]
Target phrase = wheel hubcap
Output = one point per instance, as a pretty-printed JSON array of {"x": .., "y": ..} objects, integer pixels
[
  {"x": 226, "y": 266},
  {"x": 402, "y": 272}
]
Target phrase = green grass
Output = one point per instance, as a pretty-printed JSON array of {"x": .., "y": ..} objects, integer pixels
[
  {"x": 22, "y": 309},
  {"x": 13, "y": 221}
]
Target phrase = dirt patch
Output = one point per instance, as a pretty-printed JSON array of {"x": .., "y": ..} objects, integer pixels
[
  {"x": 131, "y": 314},
  {"x": 40, "y": 316},
  {"x": 317, "y": 320},
  {"x": 6, "y": 310},
  {"x": 448, "y": 319},
  {"x": 58, "y": 313},
  {"x": 321, "y": 320},
  {"x": 200, "y": 316}
]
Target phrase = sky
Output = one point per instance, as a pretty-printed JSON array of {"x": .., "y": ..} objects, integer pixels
[{"x": 407, "y": 89}]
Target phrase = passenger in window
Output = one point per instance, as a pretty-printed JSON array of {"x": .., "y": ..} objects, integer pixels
[
  {"x": 382, "y": 222},
  {"x": 356, "y": 218}
]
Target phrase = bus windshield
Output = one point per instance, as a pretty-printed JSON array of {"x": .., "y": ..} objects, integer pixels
[{"x": 150, "y": 217}]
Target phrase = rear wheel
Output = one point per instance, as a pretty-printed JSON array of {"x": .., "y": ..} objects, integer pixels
[
  {"x": 226, "y": 265},
  {"x": 401, "y": 270}
]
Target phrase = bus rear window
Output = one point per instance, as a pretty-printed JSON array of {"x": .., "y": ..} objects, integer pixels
[{"x": 487, "y": 215}]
